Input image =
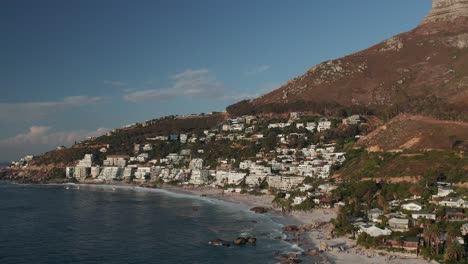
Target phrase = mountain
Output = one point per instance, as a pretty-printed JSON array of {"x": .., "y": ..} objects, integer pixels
[{"x": 423, "y": 71}]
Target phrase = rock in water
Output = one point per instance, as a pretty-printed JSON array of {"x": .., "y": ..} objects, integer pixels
[
  {"x": 219, "y": 242},
  {"x": 251, "y": 240},
  {"x": 259, "y": 210},
  {"x": 240, "y": 241},
  {"x": 291, "y": 228}
]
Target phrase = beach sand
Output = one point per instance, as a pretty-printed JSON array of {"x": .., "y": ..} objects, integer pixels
[{"x": 312, "y": 239}]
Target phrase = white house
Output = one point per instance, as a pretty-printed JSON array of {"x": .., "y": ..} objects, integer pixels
[
  {"x": 323, "y": 124},
  {"x": 116, "y": 160},
  {"x": 284, "y": 183},
  {"x": 245, "y": 165},
  {"x": 310, "y": 126},
  {"x": 443, "y": 191},
  {"x": 143, "y": 173},
  {"x": 374, "y": 231},
  {"x": 374, "y": 215},
  {"x": 199, "y": 177},
  {"x": 421, "y": 215},
  {"x": 183, "y": 138},
  {"x": 452, "y": 202},
  {"x": 147, "y": 147},
  {"x": 235, "y": 178},
  {"x": 412, "y": 206},
  {"x": 87, "y": 161},
  {"x": 254, "y": 180},
  {"x": 196, "y": 164},
  {"x": 398, "y": 224},
  {"x": 299, "y": 199}
]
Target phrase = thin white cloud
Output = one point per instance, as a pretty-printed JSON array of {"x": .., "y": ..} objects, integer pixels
[
  {"x": 32, "y": 110},
  {"x": 195, "y": 83},
  {"x": 259, "y": 69},
  {"x": 254, "y": 94},
  {"x": 115, "y": 83},
  {"x": 43, "y": 135},
  {"x": 239, "y": 97},
  {"x": 39, "y": 139}
]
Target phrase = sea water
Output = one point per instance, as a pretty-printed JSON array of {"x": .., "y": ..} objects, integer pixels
[{"x": 105, "y": 224}]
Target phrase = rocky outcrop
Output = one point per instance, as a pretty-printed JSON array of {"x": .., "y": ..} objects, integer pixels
[
  {"x": 447, "y": 10},
  {"x": 240, "y": 241},
  {"x": 259, "y": 210},
  {"x": 291, "y": 228},
  {"x": 219, "y": 242}
]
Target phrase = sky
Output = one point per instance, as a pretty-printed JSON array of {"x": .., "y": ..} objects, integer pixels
[{"x": 73, "y": 69}]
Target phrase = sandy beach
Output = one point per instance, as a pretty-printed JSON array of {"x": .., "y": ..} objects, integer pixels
[{"x": 341, "y": 250}]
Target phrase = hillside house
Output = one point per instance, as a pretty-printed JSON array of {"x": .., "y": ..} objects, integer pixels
[
  {"x": 147, "y": 147},
  {"x": 183, "y": 138},
  {"x": 422, "y": 215},
  {"x": 298, "y": 200},
  {"x": 116, "y": 160},
  {"x": 452, "y": 202},
  {"x": 143, "y": 173},
  {"x": 374, "y": 215},
  {"x": 399, "y": 224},
  {"x": 455, "y": 214},
  {"x": 412, "y": 206},
  {"x": 310, "y": 126},
  {"x": 196, "y": 164},
  {"x": 374, "y": 231},
  {"x": 352, "y": 120},
  {"x": 199, "y": 177},
  {"x": 245, "y": 165},
  {"x": 323, "y": 124},
  {"x": 254, "y": 180}
]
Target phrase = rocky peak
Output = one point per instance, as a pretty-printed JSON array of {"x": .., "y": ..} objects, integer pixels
[{"x": 447, "y": 10}]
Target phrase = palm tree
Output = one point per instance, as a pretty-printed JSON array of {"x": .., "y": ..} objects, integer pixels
[
  {"x": 452, "y": 234},
  {"x": 450, "y": 253},
  {"x": 435, "y": 237},
  {"x": 426, "y": 232},
  {"x": 431, "y": 235},
  {"x": 454, "y": 252}
]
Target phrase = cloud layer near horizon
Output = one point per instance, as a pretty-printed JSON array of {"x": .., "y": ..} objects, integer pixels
[
  {"x": 36, "y": 110},
  {"x": 39, "y": 139}
]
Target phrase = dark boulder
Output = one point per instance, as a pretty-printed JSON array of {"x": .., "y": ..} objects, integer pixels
[
  {"x": 291, "y": 228},
  {"x": 219, "y": 242},
  {"x": 240, "y": 241},
  {"x": 259, "y": 210},
  {"x": 251, "y": 240}
]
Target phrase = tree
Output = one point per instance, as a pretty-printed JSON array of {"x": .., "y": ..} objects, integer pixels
[
  {"x": 431, "y": 235},
  {"x": 454, "y": 252}
]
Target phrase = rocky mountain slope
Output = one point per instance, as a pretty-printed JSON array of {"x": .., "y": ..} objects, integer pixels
[{"x": 423, "y": 71}]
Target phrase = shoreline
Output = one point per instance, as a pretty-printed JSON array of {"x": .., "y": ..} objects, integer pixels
[{"x": 314, "y": 235}]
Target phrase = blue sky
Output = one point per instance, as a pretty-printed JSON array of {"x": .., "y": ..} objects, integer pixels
[{"x": 70, "y": 69}]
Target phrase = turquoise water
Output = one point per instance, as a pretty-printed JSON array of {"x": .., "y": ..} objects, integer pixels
[{"x": 96, "y": 224}]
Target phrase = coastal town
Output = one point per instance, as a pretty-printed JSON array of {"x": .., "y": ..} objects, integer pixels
[
  {"x": 296, "y": 170},
  {"x": 282, "y": 168}
]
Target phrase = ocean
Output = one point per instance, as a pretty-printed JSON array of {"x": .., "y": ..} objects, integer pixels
[{"x": 100, "y": 224}]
